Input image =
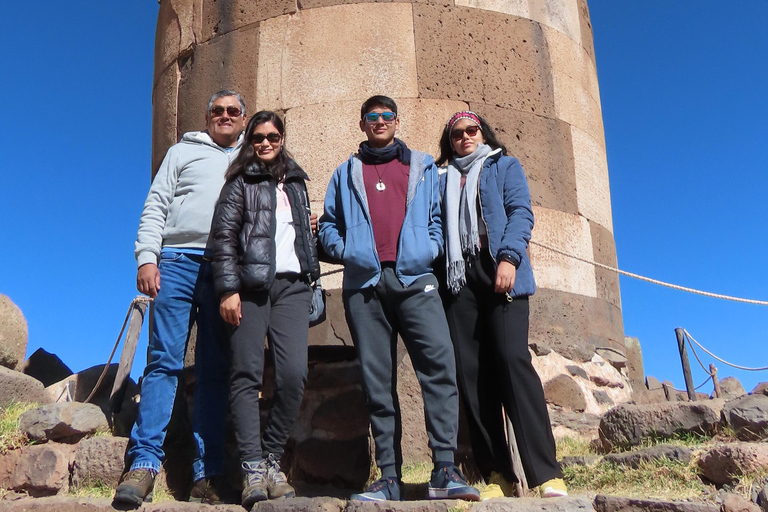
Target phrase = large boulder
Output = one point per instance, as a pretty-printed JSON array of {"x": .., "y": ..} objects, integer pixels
[
  {"x": 731, "y": 388},
  {"x": 17, "y": 387},
  {"x": 13, "y": 334},
  {"x": 658, "y": 452},
  {"x": 621, "y": 504},
  {"x": 628, "y": 424},
  {"x": 748, "y": 416},
  {"x": 65, "y": 422},
  {"x": 99, "y": 459},
  {"x": 45, "y": 367},
  {"x": 724, "y": 463}
]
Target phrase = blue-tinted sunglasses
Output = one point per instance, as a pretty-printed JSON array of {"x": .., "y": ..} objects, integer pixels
[{"x": 372, "y": 117}]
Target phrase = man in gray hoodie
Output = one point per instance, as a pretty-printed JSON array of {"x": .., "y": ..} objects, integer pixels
[{"x": 173, "y": 255}]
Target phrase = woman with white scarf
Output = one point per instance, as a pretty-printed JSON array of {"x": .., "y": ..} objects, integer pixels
[{"x": 487, "y": 222}]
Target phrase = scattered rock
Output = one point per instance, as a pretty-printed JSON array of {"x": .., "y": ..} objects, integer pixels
[
  {"x": 563, "y": 391},
  {"x": 13, "y": 334},
  {"x": 613, "y": 356},
  {"x": 661, "y": 451},
  {"x": 619, "y": 504},
  {"x": 601, "y": 397},
  {"x": 41, "y": 470},
  {"x": 599, "y": 380},
  {"x": 17, "y": 387},
  {"x": 731, "y": 388},
  {"x": 652, "y": 383},
  {"x": 762, "y": 497},
  {"x": 45, "y": 367},
  {"x": 584, "y": 424},
  {"x": 735, "y": 503},
  {"x": 723, "y": 463},
  {"x": 628, "y": 424},
  {"x": 66, "y": 422},
  {"x": 576, "y": 371},
  {"x": 748, "y": 416},
  {"x": 99, "y": 459},
  {"x": 539, "y": 349},
  {"x": 760, "y": 389}
]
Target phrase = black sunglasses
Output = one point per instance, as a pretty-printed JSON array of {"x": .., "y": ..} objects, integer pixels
[
  {"x": 273, "y": 137},
  {"x": 218, "y": 111},
  {"x": 458, "y": 134}
]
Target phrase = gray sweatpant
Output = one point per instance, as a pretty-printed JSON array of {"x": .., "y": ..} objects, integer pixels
[{"x": 375, "y": 317}]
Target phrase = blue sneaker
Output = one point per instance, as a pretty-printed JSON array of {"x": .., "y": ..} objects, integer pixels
[
  {"x": 384, "y": 489},
  {"x": 448, "y": 483}
]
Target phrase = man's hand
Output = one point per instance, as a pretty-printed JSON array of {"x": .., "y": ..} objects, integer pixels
[
  {"x": 148, "y": 279},
  {"x": 230, "y": 308},
  {"x": 313, "y": 223},
  {"x": 505, "y": 277}
]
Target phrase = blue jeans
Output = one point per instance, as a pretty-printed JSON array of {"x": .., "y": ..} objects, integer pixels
[{"x": 186, "y": 294}]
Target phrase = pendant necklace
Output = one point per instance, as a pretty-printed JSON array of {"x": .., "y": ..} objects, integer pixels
[{"x": 380, "y": 186}]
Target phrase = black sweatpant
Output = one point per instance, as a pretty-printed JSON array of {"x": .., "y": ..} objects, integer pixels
[
  {"x": 490, "y": 337},
  {"x": 282, "y": 315},
  {"x": 375, "y": 317}
]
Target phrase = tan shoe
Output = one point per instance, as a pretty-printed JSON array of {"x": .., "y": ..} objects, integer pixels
[
  {"x": 254, "y": 483},
  {"x": 135, "y": 487},
  {"x": 277, "y": 482},
  {"x": 206, "y": 490}
]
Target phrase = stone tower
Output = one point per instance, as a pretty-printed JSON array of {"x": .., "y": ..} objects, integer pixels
[{"x": 527, "y": 66}]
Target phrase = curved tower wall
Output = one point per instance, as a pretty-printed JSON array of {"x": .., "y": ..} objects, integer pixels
[{"x": 528, "y": 66}]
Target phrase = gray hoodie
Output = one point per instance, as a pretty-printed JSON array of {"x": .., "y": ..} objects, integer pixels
[{"x": 179, "y": 208}]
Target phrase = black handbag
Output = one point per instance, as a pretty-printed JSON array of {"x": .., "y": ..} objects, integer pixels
[{"x": 317, "y": 305}]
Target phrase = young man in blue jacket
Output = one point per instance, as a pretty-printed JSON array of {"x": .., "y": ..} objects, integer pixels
[{"x": 382, "y": 220}]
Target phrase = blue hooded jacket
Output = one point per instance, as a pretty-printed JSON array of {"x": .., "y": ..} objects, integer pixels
[
  {"x": 505, "y": 205},
  {"x": 346, "y": 233}
]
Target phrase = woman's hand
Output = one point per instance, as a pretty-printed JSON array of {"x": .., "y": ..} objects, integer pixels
[
  {"x": 505, "y": 277},
  {"x": 230, "y": 308},
  {"x": 313, "y": 223}
]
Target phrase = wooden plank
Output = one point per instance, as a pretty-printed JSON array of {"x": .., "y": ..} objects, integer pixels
[
  {"x": 517, "y": 464},
  {"x": 127, "y": 355}
]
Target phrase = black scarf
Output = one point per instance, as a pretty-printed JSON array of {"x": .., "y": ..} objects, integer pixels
[{"x": 376, "y": 156}]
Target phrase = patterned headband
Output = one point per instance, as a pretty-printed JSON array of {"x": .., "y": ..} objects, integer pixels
[{"x": 464, "y": 114}]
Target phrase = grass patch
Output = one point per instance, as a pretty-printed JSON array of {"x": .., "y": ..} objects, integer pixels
[
  {"x": 94, "y": 489},
  {"x": 661, "y": 479},
  {"x": 574, "y": 447},
  {"x": 417, "y": 473},
  {"x": 11, "y": 436}
]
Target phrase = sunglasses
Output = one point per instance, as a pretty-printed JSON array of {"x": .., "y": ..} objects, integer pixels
[
  {"x": 218, "y": 111},
  {"x": 372, "y": 117},
  {"x": 273, "y": 137},
  {"x": 458, "y": 134}
]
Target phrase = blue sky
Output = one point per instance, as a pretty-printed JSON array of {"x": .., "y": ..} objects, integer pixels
[{"x": 683, "y": 88}]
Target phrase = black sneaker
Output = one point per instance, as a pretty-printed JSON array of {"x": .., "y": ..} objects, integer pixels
[
  {"x": 448, "y": 483},
  {"x": 384, "y": 489},
  {"x": 254, "y": 483},
  {"x": 135, "y": 487}
]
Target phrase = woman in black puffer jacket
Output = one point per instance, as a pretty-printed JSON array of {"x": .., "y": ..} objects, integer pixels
[{"x": 264, "y": 259}]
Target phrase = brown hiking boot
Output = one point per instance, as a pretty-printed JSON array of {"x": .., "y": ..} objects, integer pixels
[
  {"x": 254, "y": 483},
  {"x": 206, "y": 490},
  {"x": 277, "y": 483},
  {"x": 135, "y": 487}
]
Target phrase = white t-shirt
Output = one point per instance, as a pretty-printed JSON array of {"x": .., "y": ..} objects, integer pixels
[{"x": 285, "y": 235}]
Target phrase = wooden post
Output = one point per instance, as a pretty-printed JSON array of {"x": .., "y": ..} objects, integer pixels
[
  {"x": 127, "y": 355},
  {"x": 517, "y": 464},
  {"x": 713, "y": 372},
  {"x": 686, "y": 364}
]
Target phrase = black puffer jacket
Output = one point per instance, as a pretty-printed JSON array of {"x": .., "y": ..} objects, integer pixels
[{"x": 244, "y": 228}]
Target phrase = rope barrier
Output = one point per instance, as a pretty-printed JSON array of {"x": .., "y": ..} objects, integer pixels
[
  {"x": 651, "y": 280},
  {"x": 746, "y": 368}
]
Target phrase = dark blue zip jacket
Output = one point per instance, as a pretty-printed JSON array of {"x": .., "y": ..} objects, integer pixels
[
  {"x": 346, "y": 233},
  {"x": 505, "y": 204}
]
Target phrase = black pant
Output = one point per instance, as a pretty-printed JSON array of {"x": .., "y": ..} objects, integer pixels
[
  {"x": 375, "y": 317},
  {"x": 281, "y": 314},
  {"x": 490, "y": 337}
]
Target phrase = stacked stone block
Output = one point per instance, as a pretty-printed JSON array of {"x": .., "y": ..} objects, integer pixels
[{"x": 528, "y": 66}]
